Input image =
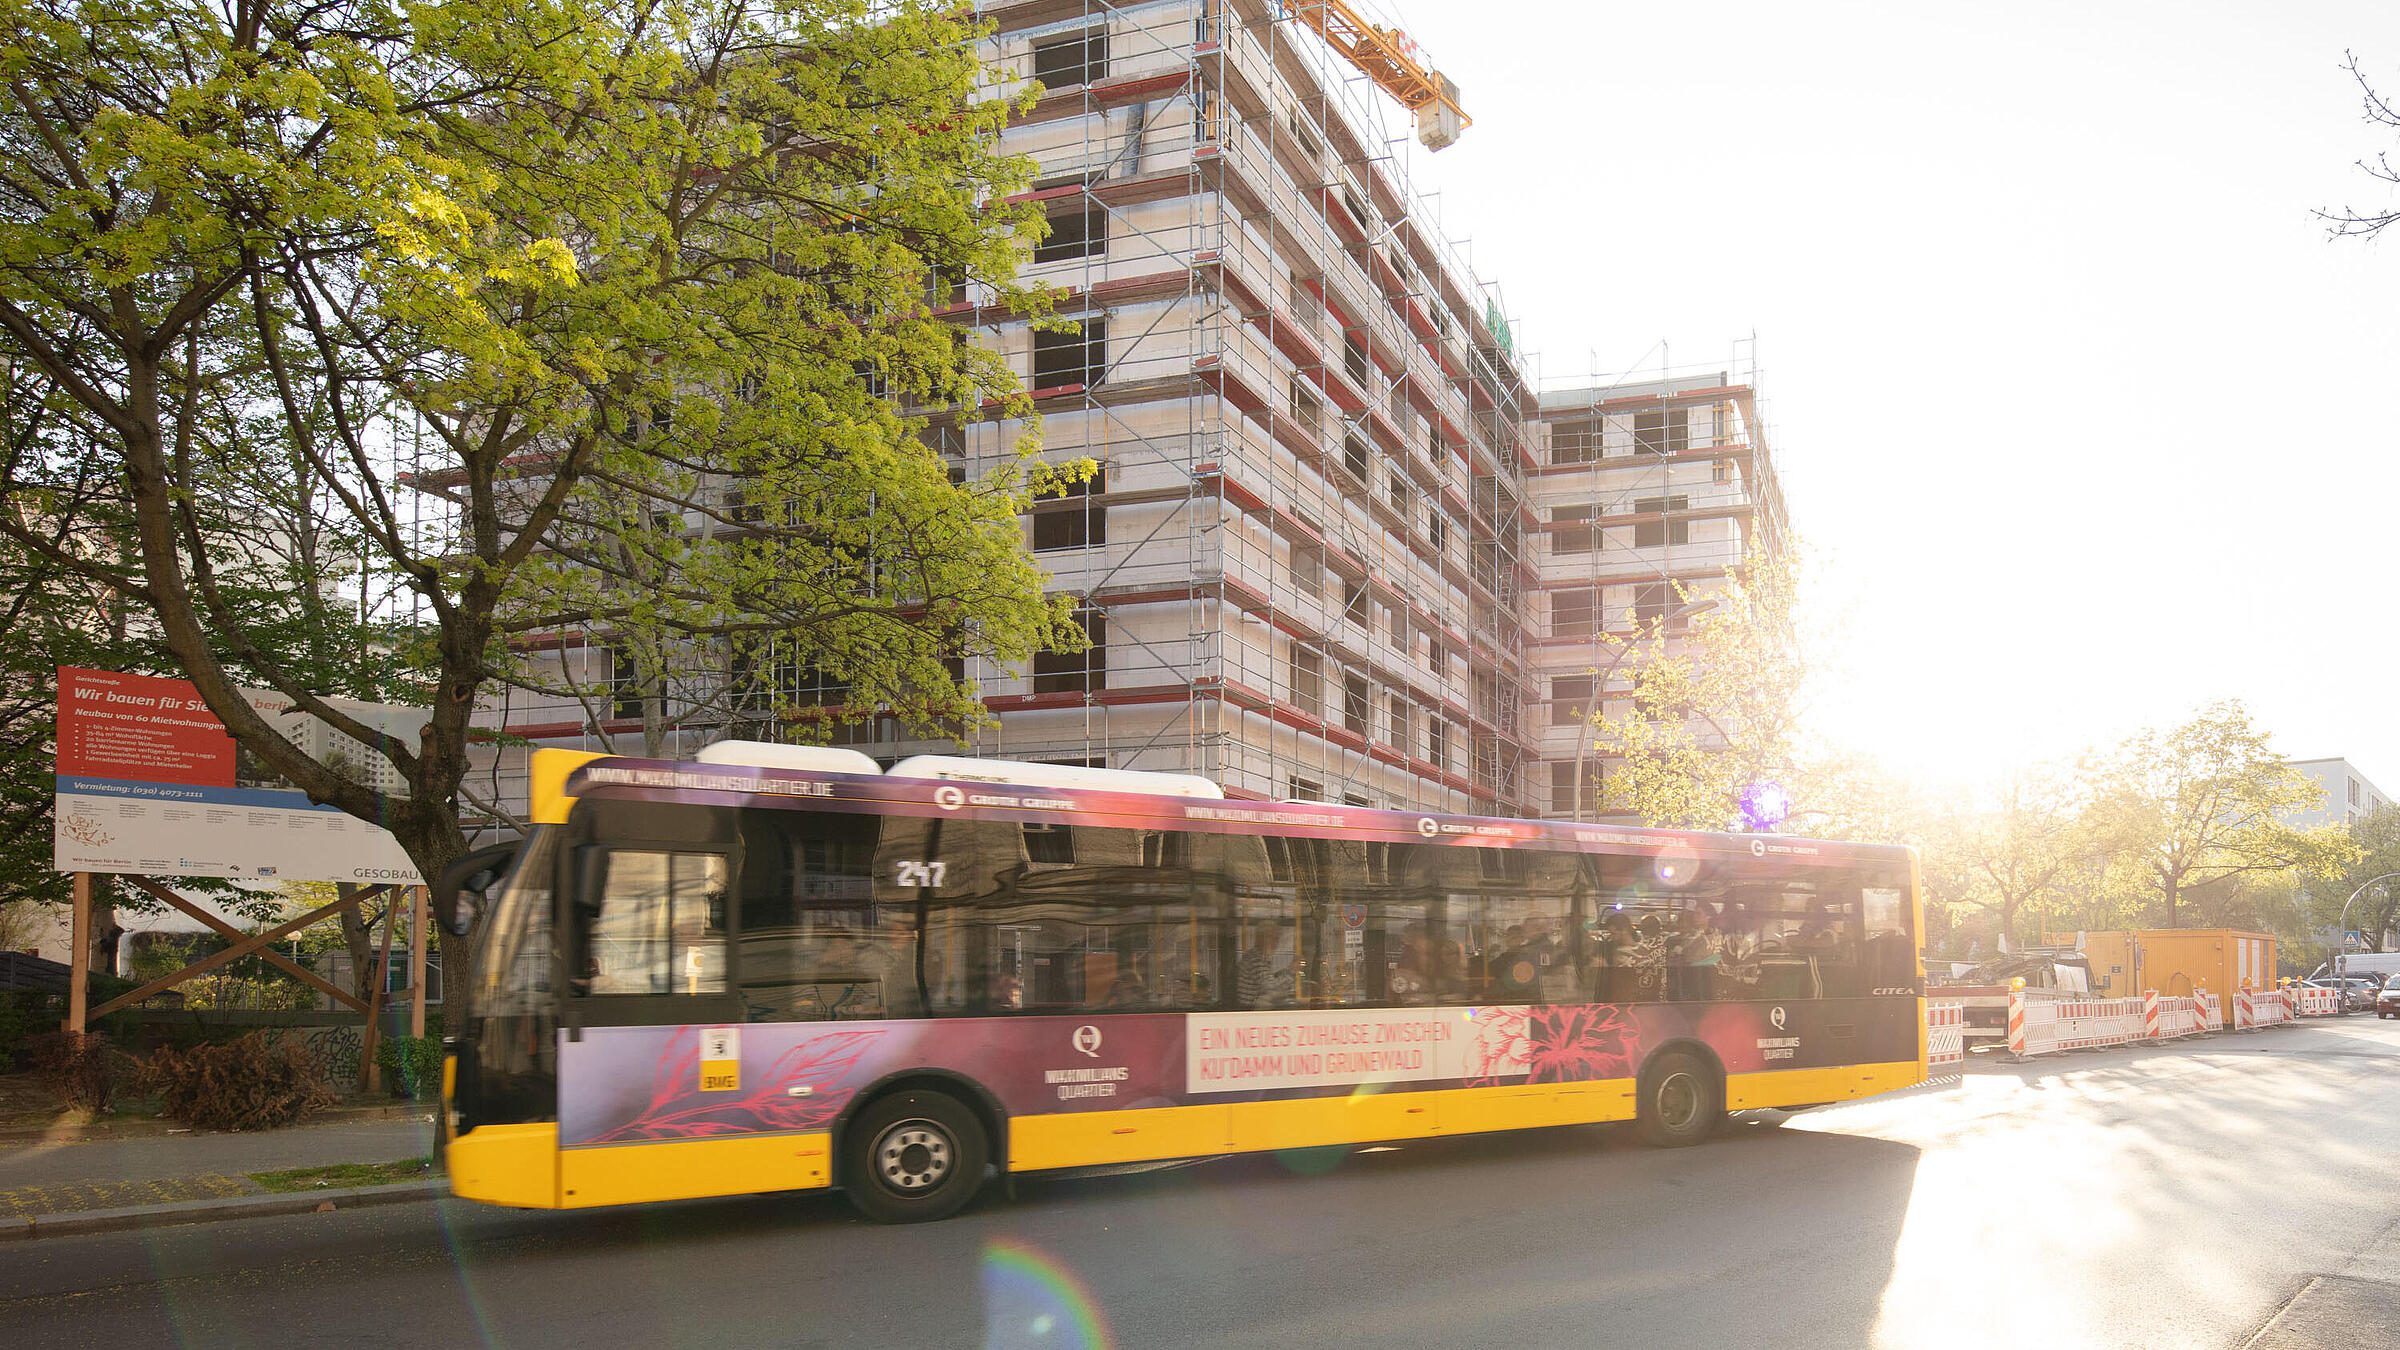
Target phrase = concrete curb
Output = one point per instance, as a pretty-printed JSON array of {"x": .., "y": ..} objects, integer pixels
[
  {"x": 216, "y": 1211},
  {"x": 103, "y": 1134}
]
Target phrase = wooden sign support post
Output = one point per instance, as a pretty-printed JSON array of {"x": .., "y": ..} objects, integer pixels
[{"x": 79, "y": 962}]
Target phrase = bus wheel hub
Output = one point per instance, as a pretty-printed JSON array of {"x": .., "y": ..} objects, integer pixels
[{"x": 913, "y": 1155}]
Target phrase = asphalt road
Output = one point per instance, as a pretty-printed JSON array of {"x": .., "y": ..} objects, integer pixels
[{"x": 2180, "y": 1197}]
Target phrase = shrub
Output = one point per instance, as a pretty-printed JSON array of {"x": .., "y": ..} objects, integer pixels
[
  {"x": 255, "y": 1082},
  {"x": 412, "y": 1065},
  {"x": 19, "y": 1014},
  {"x": 83, "y": 1070}
]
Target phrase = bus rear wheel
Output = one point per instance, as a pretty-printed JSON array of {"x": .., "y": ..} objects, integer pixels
[
  {"x": 913, "y": 1157},
  {"x": 1680, "y": 1102}
]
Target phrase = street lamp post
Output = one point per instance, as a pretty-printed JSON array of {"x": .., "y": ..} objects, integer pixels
[
  {"x": 2341, "y": 956},
  {"x": 1583, "y": 738}
]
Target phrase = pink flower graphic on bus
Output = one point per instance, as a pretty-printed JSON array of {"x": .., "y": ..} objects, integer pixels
[
  {"x": 1572, "y": 1043},
  {"x": 679, "y": 1110}
]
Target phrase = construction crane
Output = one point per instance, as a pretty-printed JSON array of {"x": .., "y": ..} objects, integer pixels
[{"x": 1389, "y": 58}]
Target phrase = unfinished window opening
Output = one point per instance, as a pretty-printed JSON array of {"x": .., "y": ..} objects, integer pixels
[
  {"x": 1079, "y": 230},
  {"x": 1354, "y": 358},
  {"x": 1355, "y": 702},
  {"x": 1572, "y": 530},
  {"x": 1570, "y": 696},
  {"x": 1659, "y": 533},
  {"x": 1575, "y": 612},
  {"x": 1072, "y": 523},
  {"x": 1308, "y": 682},
  {"x": 1076, "y": 672},
  {"x": 1666, "y": 432},
  {"x": 1065, "y": 62},
  {"x": 1077, "y": 358}
]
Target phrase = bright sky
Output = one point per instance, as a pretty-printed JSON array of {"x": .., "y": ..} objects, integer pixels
[{"x": 2086, "y": 417}]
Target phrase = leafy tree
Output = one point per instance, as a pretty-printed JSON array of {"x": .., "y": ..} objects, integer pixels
[
  {"x": 2375, "y": 837},
  {"x": 1708, "y": 704},
  {"x": 2192, "y": 804},
  {"x": 522, "y": 299},
  {"x": 2028, "y": 848}
]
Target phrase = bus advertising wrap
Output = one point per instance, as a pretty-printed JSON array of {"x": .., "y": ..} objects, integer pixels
[{"x": 621, "y": 1085}]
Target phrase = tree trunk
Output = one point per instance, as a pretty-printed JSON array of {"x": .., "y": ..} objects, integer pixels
[
  {"x": 104, "y": 932},
  {"x": 2172, "y": 891},
  {"x": 356, "y": 940}
]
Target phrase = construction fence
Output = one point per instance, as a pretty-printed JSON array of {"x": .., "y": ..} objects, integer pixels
[{"x": 2044, "y": 1022}]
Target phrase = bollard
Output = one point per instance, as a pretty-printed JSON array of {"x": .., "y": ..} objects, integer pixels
[
  {"x": 2150, "y": 1016},
  {"x": 2016, "y": 1017}
]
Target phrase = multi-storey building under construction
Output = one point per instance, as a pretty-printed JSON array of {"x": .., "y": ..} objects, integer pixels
[{"x": 1338, "y": 548}]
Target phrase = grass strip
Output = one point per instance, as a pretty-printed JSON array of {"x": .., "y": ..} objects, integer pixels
[{"x": 340, "y": 1175}]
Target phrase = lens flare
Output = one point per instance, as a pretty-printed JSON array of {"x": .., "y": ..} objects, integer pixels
[
  {"x": 1765, "y": 806},
  {"x": 1030, "y": 1300},
  {"x": 1676, "y": 865}
]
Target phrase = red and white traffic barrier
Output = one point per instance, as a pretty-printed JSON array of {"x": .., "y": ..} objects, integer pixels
[
  {"x": 2043, "y": 1022},
  {"x": 2316, "y": 1000},
  {"x": 2054, "y": 1024},
  {"x": 2260, "y": 1008},
  {"x": 1945, "y": 1033},
  {"x": 2180, "y": 1016}
]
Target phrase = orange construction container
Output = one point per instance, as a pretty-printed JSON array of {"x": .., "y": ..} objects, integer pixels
[{"x": 2174, "y": 960}]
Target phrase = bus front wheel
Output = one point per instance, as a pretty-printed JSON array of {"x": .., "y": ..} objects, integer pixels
[
  {"x": 914, "y": 1156},
  {"x": 1680, "y": 1103}
]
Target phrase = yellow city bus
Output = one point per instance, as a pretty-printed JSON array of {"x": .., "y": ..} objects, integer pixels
[{"x": 778, "y": 968}]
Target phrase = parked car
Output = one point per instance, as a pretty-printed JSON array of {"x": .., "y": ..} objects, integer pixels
[{"x": 2387, "y": 1003}]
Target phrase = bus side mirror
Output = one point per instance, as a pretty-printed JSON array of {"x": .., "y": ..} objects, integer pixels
[{"x": 458, "y": 899}]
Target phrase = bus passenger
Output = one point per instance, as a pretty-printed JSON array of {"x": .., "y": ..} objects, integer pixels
[
  {"x": 1697, "y": 948},
  {"x": 1254, "y": 984},
  {"x": 1412, "y": 976}
]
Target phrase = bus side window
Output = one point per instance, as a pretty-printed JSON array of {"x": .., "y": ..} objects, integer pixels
[
  {"x": 658, "y": 926},
  {"x": 815, "y": 944}
]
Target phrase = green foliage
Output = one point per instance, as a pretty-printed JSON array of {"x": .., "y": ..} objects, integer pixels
[
  {"x": 20, "y": 1014},
  {"x": 2375, "y": 839},
  {"x": 412, "y": 1065},
  {"x": 256, "y": 1082},
  {"x": 2197, "y": 803},
  {"x": 1700, "y": 708},
  {"x": 610, "y": 271}
]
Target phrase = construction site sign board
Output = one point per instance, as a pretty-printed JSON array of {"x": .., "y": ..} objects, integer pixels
[{"x": 150, "y": 782}]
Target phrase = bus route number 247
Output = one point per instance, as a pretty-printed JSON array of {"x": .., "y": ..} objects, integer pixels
[{"x": 919, "y": 873}]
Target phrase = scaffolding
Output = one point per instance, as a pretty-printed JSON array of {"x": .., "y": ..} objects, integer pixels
[
  {"x": 1304, "y": 547},
  {"x": 1304, "y": 562},
  {"x": 1655, "y": 486}
]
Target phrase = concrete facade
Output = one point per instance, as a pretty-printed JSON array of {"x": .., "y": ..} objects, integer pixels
[{"x": 2348, "y": 795}]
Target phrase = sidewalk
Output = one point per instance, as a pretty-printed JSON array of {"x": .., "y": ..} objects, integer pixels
[{"x": 58, "y": 1177}]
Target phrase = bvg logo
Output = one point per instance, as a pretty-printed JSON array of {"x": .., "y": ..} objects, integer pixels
[
  {"x": 1087, "y": 1041},
  {"x": 1776, "y": 1016}
]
